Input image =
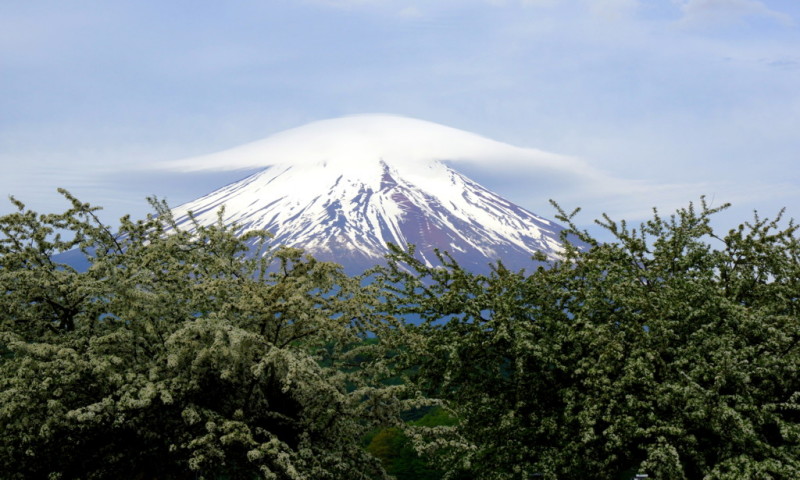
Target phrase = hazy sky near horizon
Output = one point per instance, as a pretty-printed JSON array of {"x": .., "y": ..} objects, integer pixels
[{"x": 675, "y": 98}]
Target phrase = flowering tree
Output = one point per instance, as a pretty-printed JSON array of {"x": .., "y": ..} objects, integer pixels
[
  {"x": 178, "y": 354},
  {"x": 672, "y": 351}
]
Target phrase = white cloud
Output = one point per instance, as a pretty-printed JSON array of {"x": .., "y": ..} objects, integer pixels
[
  {"x": 524, "y": 3},
  {"x": 613, "y": 9},
  {"x": 698, "y": 13},
  {"x": 410, "y": 12},
  {"x": 527, "y": 176},
  {"x": 538, "y": 3},
  {"x": 403, "y": 9},
  {"x": 349, "y": 3}
]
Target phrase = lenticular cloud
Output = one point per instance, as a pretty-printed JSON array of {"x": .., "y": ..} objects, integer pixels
[{"x": 350, "y": 142}]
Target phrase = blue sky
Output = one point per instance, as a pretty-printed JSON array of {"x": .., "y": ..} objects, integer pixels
[{"x": 678, "y": 98}]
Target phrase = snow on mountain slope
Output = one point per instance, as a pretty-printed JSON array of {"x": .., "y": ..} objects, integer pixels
[{"x": 341, "y": 189}]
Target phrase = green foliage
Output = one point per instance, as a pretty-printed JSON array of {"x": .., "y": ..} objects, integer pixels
[
  {"x": 396, "y": 451},
  {"x": 176, "y": 355},
  {"x": 671, "y": 351}
]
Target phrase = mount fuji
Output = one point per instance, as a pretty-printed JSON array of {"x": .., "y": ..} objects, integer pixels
[{"x": 342, "y": 189}]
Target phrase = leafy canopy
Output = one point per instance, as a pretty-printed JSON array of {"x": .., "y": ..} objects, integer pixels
[
  {"x": 179, "y": 354},
  {"x": 672, "y": 351}
]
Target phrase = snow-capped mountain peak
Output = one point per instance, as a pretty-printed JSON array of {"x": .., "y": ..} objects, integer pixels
[{"x": 343, "y": 188}]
